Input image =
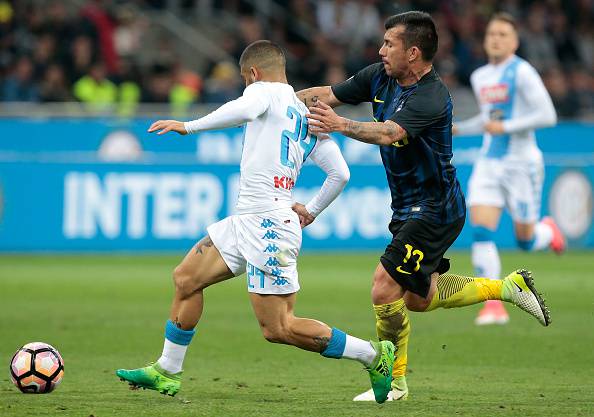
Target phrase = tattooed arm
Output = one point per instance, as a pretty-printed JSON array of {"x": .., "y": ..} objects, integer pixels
[
  {"x": 324, "y": 120},
  {"x": 309, "y": 96}
]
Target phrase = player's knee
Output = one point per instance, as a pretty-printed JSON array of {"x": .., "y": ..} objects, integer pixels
[
  {"x": 185, "y": 282},
  {"x": 274, "y": 334},
  {"x": 416, "y": 304}
]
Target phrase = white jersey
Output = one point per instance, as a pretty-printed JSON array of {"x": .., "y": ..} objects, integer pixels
[
  {"x": 513, "y": 92},
  {"x": 276, "y": 144}
]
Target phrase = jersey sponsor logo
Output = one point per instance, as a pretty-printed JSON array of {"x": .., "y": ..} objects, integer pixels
[
  {"x": 284, "y": 182},
  {"x": 498, "y": 93},
  {"x": 377, "y": 100},
  {"x": 280, "y": 281},
  {"x": 266, "y": 223},
  {"x": 272, "y": 261},
  {"x": 271, "y": 248},
  {"x": 271, "y": 234}
]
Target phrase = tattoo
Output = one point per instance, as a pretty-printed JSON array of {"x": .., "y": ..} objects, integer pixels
[
  {"x": 177, "y": 323},
  {"x": 374, "y": 132},
  {"x": 321, "y": 342},
  {"x": 205, "y": 242}
]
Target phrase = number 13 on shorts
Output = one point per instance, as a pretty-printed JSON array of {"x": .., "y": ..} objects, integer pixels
[{"x": 411, "y": 252}]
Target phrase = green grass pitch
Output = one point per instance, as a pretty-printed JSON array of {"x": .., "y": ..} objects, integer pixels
[{"x": 106, "y": 312}]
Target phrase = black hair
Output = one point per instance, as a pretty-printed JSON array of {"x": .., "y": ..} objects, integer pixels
[
  {"x": 263, "y": 54},
  {"x": 419, "y": 31}
]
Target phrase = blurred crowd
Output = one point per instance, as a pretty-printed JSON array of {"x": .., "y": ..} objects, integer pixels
[{"x": 56, "y": 51}]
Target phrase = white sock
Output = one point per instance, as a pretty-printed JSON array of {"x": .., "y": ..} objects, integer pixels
[
  {"x": 543, "y": 234},
  {"x": 485, "y": 259},
  {"x": 359, "y": 350},
  {"x": 172, "y": 357}
]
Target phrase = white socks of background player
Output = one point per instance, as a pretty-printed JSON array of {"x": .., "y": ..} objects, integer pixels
[
  {"x": 175, "y": 347},
  {"x": 485, "y": 256},
  {"x": 543, "y": 234},
  {"x": 344, "y": 346}
]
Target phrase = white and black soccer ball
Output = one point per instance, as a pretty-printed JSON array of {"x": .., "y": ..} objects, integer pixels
[{"x": 37, "y": 368}]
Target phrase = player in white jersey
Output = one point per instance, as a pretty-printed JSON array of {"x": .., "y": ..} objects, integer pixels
[
  {"x": 509, "y": 172},
  {"x": 264, "y": 237}
]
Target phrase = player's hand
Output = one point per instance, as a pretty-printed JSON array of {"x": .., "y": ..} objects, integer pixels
[
  {"x": 494, "y": 127},
  {"x": 454, "y": 129},
  {"x": 323, "y": 119},
  {"x": 168, "y": 126},
  {"x": 305, "y": 218}
]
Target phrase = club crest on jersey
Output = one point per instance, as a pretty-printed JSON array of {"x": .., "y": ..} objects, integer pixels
[
  {"x": 283, "y": 182},
  {"x": 498, "y": 93}
]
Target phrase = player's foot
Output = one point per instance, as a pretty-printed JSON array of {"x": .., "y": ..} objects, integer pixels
[
  {"x": 492, "y": 313},
  {"x": 557, "y": 244},
  {"x": 152, "y": 377},
  {"x": 518, "y": 288},
  {"x": 399, "y": 392},
  {"x": 380, "y": 371}
]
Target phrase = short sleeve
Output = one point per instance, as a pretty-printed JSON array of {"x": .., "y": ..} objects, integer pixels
[
  {"x": 417, "y": 113},
  {"x": 357, "y": 89}
]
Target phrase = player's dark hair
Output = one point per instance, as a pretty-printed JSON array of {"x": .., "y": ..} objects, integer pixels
[
  {"x": 419, "y": 31},
  {"x": 263, "y": 54},
  {"x": 505, "y": 17}
]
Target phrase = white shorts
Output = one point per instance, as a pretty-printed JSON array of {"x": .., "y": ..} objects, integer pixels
[
  {"x": 516, "y": 185},
  {"x": 265, "y": 244}
]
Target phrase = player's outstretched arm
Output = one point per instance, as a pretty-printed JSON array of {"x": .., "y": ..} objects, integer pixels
[
  {"x": 473, "y": 126},
  {"x": 323, "y": 119},
  {"x": 309, "y": 96},
  {"x": 328, "y": 157},
  {"x": 246, "y": 108}
]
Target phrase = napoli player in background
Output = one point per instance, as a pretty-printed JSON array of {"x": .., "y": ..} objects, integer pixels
[
  {"x": 264, "y": 238},
  {"x": 412, "y": 125},
  {"x": 510, "y": 170}
]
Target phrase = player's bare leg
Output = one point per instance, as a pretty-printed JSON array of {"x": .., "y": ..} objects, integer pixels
[
  {"x": 539, "y": 236},
  {"x": 201, "y": 267},
  {"x": 279, "y": 325},
  {"x": 485, "y": 259}
]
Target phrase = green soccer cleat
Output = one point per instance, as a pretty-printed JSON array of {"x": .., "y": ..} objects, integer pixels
[
  {"x": 518, "y": 289},
  {"x": 152, "y": 377},
  {"x": 380, "y": 371}
]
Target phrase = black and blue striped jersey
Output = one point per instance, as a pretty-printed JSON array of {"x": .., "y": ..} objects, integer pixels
[{"x": 420, "y": 174}]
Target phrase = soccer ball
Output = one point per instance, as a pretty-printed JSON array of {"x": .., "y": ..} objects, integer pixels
[{"x": 36, "y": 368}]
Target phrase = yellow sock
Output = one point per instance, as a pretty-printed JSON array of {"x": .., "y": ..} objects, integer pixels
[
  {"x": 391, "y": 323},
  {"x": 459, "y": 291}
]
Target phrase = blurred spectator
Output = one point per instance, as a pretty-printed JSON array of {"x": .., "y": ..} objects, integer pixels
[
  {"x": 324, "y": 41},
  {"x": 19, "y": 85},
  {"x": 224, "y": 83},
  {"x": 158, "y": 85},
  {"x": 53, "y": 86},
  {"x": 186, "y": 90},
  {"x": 536, "y": 43},
  {"x": 95, "y": 89},
  {"x": 565, "y": 101},
  {"x": 582, "y": 84}
]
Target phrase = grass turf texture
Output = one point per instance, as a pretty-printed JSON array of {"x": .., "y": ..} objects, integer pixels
[{"x": 106, "y": 312}]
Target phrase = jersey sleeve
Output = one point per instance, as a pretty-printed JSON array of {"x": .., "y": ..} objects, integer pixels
[
  {"x": 254, "y": 102},
  {"x": 328, "y": 157},
  {"x": 418, "y": 112},
  {"x": 357, "y": 89},
  {"x": 540, "y": 111}
]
